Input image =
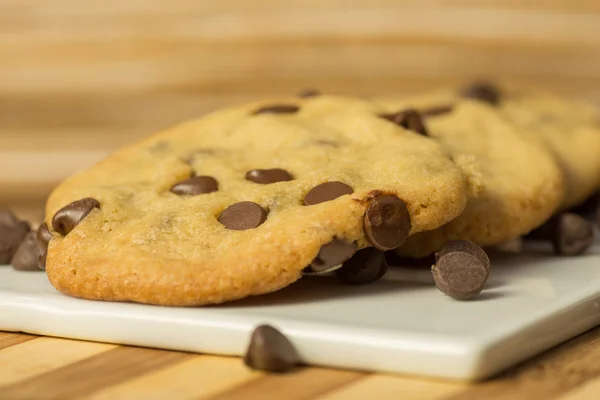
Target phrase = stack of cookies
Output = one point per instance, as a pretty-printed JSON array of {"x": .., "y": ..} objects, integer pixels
[{"x": 247, "y": 200}]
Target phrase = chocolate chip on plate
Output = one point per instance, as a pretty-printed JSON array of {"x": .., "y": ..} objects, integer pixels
[
  {"x": 309, "y": 93},
  {"x": 483, "y": 91},
  {"x": 326, "y": 192},
  {"x": 243, "y": 215},
  {"x": 269, "y": 350},
  {"x": 408, "y": 119},
  {"x": 26, "y": 257},
  {"x": 266, "y": 176},
  {"x": 366, "y": 266},
  {"x": 12, "y": 233},
  {"x": 68, "y": 217},
  {"x": 436, "y": 111},
  {"x": 461, "y": 269},
  {"x": 387, "y": 222},
  {"x": 571, "y": 234},
  {"x": 43, "y": 237},
  {"x": 277, "y": 109},
  {"x": 195, "y": 185},
  {"x": 331, "y": 256}
]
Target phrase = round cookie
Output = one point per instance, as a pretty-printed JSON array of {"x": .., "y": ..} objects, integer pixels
[
  {"x": 522, "y": 184},
  {"x": 239, "y": 202}
]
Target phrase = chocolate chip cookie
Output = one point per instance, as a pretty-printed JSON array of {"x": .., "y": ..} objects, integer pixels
[
  {"x": 241, "y": 201},
  {"x": 522, "y": 183}
]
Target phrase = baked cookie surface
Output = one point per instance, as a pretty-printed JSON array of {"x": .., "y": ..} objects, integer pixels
[
  {"x": 522, "y": 184},
  {"x": 240, "y": 201}
]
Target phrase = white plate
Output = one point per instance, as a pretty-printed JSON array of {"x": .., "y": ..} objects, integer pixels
[{"x": 400, "y": 324}]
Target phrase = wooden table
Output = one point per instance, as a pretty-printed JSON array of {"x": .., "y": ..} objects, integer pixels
[{"x": 78, "y": 79}]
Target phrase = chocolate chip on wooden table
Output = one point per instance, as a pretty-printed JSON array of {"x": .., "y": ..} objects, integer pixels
[
  {"x": 196, "y": 185},
  {"x": 571, "y": 234},
  {"x": 26, "y": 257},
  {"x": 266, "y": 176},
  {"x": 277, "y": 109},
  {"x": 12, "y": 233},
  {"x": 483, "y": 91},
  {"x": 68, "y": 217},
  {"x": 326, "y": 192},
  {"x": 269, "y": 350},
  {"x": 43, "y": 237},
  {"x": 309, "y": 93},
  {"x": 408, "y": 119},
  {"x": 387, "y": 222},
  {"x": 331, "y": 256},
  {"x": 461, "y": 269},
  {"x": 243, "y": 215},
  {"x": 366, "y": 266}
]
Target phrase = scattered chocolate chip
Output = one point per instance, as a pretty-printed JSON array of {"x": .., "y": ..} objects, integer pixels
[
  {"x": 461, "y": 269},
  {"x": 68, "y": 217},
  {"x": 266, "y": 176},
  {"x": 387, "y": 222},
  {"x": 277, "y": 109},
  {"x": 12, "y": 233},
  {"x": 572, "y": 234},
  {"x": 332, "y": 255},
  {"x": 408, "y": 119},
  {"x": 366, "y": 266},
  {"x": 43, "y": 238},
  {"x": 243, "y": 215},
  {"x": 269, "y": 350},
  {"x": 309, "y": 93},
  {"x": 483, "y": 91},
  {"x": 26, "y": 257},
  {"x": 195, "y": 185},
  {"x": 326, "y": 192},
  {"x": 436, "y": 111}
]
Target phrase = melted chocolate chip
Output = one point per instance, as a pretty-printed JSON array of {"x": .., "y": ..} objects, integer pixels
[
  {"x": 26, "y": 257},
  {"x": 243, "y": 215},
  {"x": 12, "y": 233},
  {"x": 43, "y": 237},
  {"x": 366, "y": 266},
  {"x": 387, "y": 222},
  {"x": 68, "y": 217},
  {"x": 266, "y": 176},
  {"x": 269, "y": 350},
  {"x": 196, "y": 185},
  {"x": 326, "y": 192},
  {"x": 277, "y": 109},
  {"x": 332, "y": 254},
  {"x": 482, "y": 91},
  {"x": 309, "y": 93},
  {"x": 436, "y": 111},
  {"x": 408, "y": 119},
  {"x": 571, "y": 234},
  {"x": 461, "y": 269}
]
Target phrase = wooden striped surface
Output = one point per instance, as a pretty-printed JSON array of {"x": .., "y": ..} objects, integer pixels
[{"x": 33, "y": 367}]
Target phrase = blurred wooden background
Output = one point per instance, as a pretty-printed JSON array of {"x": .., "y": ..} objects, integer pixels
[{"x": 79, "y": 78}]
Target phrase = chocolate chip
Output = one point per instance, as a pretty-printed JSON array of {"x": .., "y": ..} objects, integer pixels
[
  {"x": 12, "y": 233},
  {"x": 277, "y": 109},
  {"x": 571, "y": 234},
  {"x": 43, "y": 237},
  {"x": 326, "y": 191},
  {"x": 242, "y": 216},
  {"x": 408, "y": 119},
  {"x": 483, "y": 91},
  {"x": 195, "y": 185},
  {"x": 461, "y": 269},
  {"x": 266, "y": 176},
  {"x": 269, "y": 350},
  {"x": 309, "y": 93},
  {"x": 387, "y": 222},
  {"x": 68, "y": 217},
  {"x": 332, "y": 255},
  {"x": 26, "y": 257},
  {"x": 436, "y": 111},
  {"x": 366, "y": 266}
]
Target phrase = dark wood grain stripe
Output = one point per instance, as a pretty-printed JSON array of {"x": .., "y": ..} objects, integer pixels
[
  {"x": 11, "y": 339},
  {"x": 92, "y": 374},
  {"x": 304, "y": 384},
  {"x": 545, "y": 377}
]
